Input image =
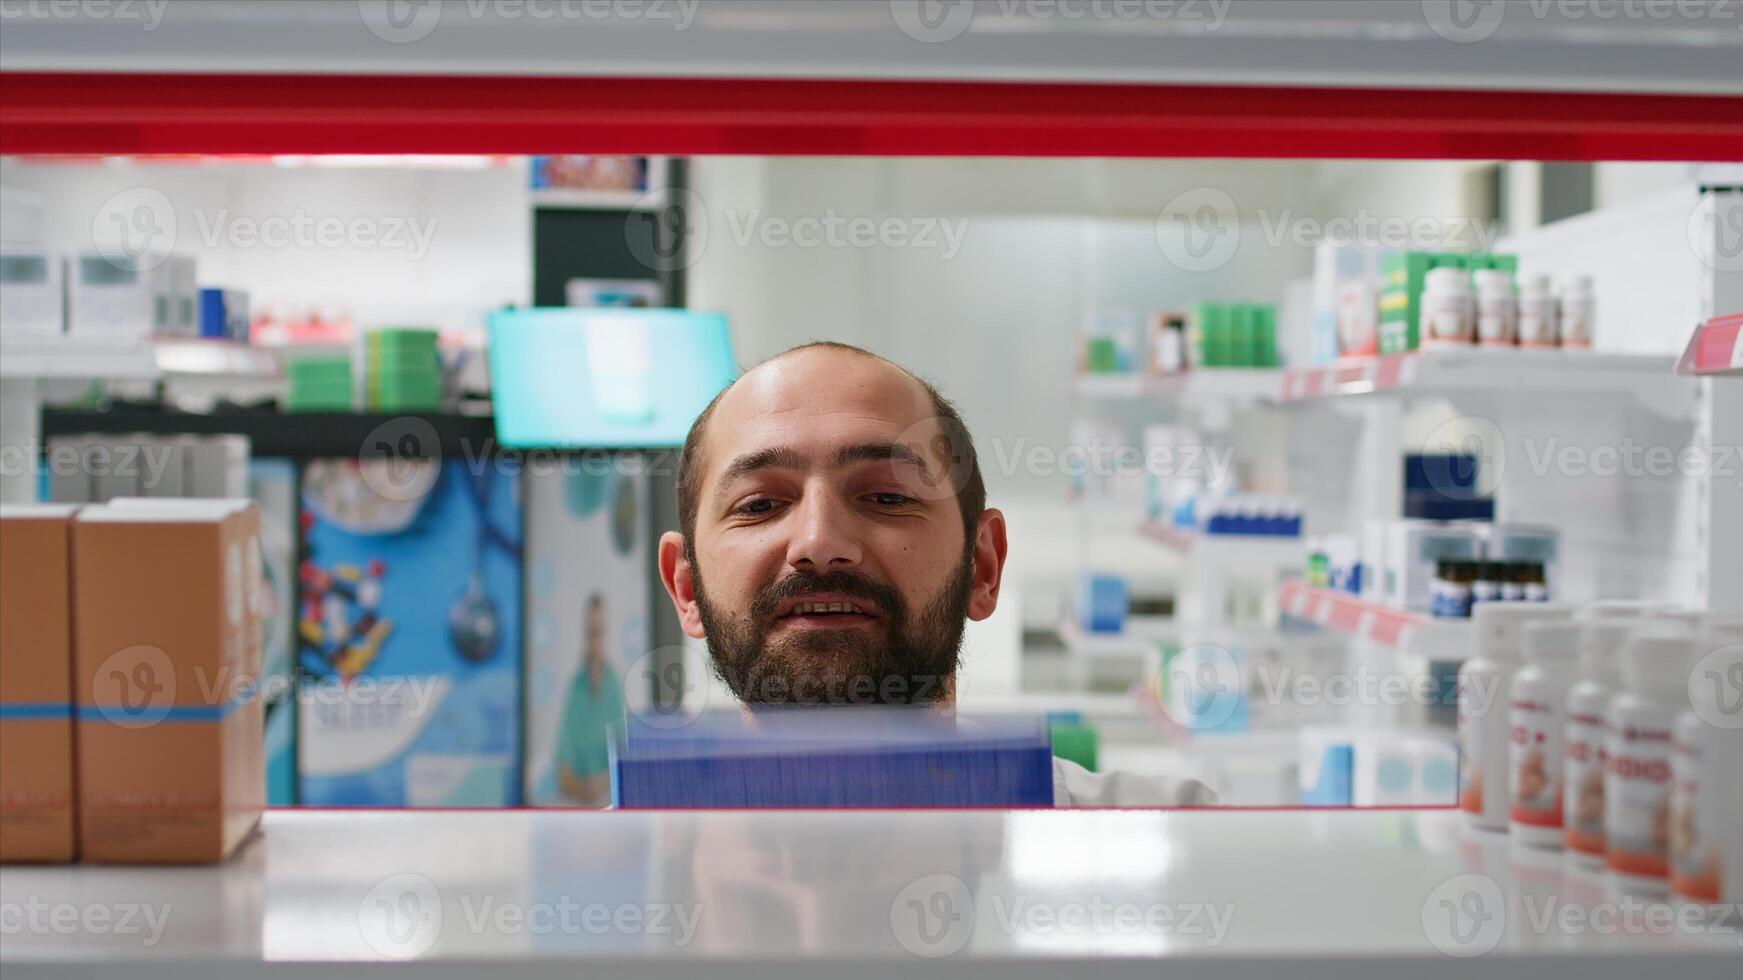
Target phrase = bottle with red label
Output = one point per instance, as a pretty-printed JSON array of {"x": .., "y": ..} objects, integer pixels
[
  {"x": 1583, "y": 741},
  {"x": 1552, "y": 658},
  {"x": 1638, "y": 740}
]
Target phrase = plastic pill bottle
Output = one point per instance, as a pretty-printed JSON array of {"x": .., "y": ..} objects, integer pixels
[
  {"x": 1485, "y": 700},
  {"x": 1583, "y": 740},
  {"x": 1578, "y": 312},
  {"x": 1706, "y": 830},
  {"x": 1537, "y": 313},
  {"x": 1447, "y": 314},
  {"x": 1638, "y": 743},
  {"x": 1552, "y": 666},
  {"x": 1496, "y": 311}
]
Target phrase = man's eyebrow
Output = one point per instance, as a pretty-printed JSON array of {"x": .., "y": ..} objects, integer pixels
[
  {"x": 876, "y": 451},
  {"x": 786, "y": 457}
]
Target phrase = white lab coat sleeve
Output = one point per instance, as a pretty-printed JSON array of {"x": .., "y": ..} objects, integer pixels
[{"x": 1075, "y": 786}]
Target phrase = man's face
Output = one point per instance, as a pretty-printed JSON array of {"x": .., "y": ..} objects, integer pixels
[{"x": 830, "y": 562}]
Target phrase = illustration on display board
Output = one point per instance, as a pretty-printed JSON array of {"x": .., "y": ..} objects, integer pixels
[
  {"x": 408, "y": 634},
  {"x": 272, "y": 483}
]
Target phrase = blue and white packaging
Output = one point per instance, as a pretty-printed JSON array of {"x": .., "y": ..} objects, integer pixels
[{"x": 409, "y": 634}]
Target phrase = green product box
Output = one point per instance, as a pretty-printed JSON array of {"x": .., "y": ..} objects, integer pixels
[
  {"x": 1264, "y": 340},
  {"x": 1242, "y": 326},
  {"x": 390, "y": 337},
  {"x": 405, "y": 390},
  {"x": 1103, "y": 356},
  {"x": 318, "y": 369},
  {"x": 1210, "y": 334},
  {"x": 1076, "y": 743},
  {"x": 318, "y": 397},
  {"x": 1402, "y": 275}
]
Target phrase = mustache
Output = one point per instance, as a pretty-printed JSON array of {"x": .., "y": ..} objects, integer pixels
[{"x": 852, "y": 584}]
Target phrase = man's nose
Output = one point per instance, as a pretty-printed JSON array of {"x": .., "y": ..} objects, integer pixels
[{"x": 824, "y": 538}]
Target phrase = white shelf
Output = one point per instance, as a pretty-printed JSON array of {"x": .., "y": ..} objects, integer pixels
[
  {"x": 1233, "y": 384},
  {"x": 1234, "y": 550},
  {"x": 1300, "y": 893},
  {"x": 1137, "y": 640},
  {"x": 1413, "y": 632},
  {"x": 1461, "y": 369},
  {"x": 193, "y": 357},
  {"x": 596, "y": 200},
  {"x": 76, "y": 357}
]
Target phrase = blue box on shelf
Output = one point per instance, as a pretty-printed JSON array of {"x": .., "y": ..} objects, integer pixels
[{"x": 1101, "y": 602}]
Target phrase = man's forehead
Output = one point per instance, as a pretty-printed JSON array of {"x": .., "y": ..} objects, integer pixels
[{"x": 816, "y": 399}]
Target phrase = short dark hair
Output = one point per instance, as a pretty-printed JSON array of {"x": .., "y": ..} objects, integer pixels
[{"x": 964, "y": 462}]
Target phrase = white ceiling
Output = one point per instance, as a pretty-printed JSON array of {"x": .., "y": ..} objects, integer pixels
[{"x": 1605, "y": 45}]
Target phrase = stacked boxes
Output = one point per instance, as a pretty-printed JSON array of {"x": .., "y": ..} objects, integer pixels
[
  {"x": 318, "y": 383},
  {"x": 403, "y": 370},
  {"x": 1234, "y": 334},
  {"x": 36, "y": 722},
  {"x": 166, "y": 669}
]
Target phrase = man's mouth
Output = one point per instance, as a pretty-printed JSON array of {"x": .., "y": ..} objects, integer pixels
[{"x": 825, "y": 612}]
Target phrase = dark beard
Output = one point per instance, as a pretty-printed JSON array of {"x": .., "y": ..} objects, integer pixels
[{"x": 903, "y": 660}]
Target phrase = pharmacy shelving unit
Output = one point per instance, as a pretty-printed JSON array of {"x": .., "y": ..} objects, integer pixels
[
  {"x": 857, "y": 894},
  {"x": 28, "y": 363},
  {"x": 1234, "y": 384}
]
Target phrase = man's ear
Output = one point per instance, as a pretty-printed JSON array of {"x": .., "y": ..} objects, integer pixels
[
  {"x": 679, "y": 577},
  {"x": 989, "y": 564}
]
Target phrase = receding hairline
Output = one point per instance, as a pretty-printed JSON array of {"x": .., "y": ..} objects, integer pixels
[{"x": 703, "y": 421}]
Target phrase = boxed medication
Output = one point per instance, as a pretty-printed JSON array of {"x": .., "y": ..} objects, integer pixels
[
  {"x": 36, "y": 720},
  {"x": 167, "y": 665},
  {"x": 32, "y": 291}
]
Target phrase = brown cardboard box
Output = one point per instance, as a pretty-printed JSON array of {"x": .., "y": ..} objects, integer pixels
[
  {"x": 166, "y": 668},
  {"x": 36, "y": 719}
]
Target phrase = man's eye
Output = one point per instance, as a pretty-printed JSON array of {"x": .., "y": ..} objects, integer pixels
[
  {"x": 892, "y": 499},
  {"x": 762, "y": 505}
]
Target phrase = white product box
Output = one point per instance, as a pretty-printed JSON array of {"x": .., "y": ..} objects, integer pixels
[
  {"x": 217, "y": 466},
  {"x": 33, "y": 299},
  {"x": 1413, "y": 547},
  {"x": 1435, "y": 760},
  {"x": 181, "y": 296},
  {"x": 121, "y": 298}
]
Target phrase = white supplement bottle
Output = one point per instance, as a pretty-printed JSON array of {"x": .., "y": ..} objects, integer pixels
[
  {"x": 1447, "y": 315},
  {"x": 1578, "y": 312},
  {"x": 1583, "y": 754},
  {"x": 1705, "y": 830},
  {"x": 1537, "y": 314},
  {"x": 1496, "y": 312},
  {"x": 1552, "y": 666},
  {"x": 1485, "y": 702},
  {"x": 1637, "y": 739}
]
